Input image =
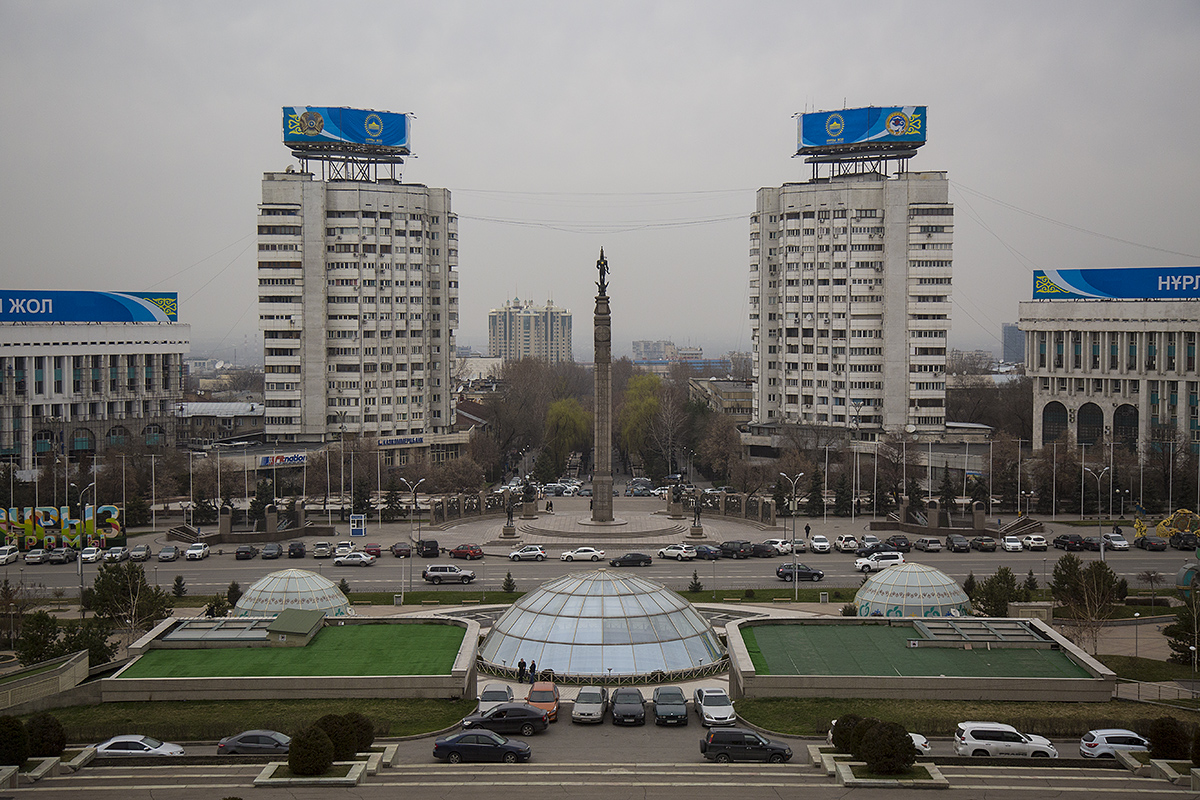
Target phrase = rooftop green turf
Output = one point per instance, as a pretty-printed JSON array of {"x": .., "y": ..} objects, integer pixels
[
  {"x": 338, "y": 650},
  {"x": 882, "y": 650}
]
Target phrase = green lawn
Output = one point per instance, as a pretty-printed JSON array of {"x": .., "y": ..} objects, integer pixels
[{"x": 338, "y": 650}]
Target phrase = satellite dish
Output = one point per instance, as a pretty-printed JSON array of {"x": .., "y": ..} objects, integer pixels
[{"x": 910, "y": 428}]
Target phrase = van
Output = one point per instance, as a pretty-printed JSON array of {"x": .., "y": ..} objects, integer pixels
[
  {"x": 8, "y": 554},
  {"x": 428, "y": 548},
  {"x": 929, "y": 544}
]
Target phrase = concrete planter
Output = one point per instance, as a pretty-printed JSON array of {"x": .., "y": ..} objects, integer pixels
[
  {"x": 1162, "y": 769},
  {"x": 353, "y": 777},
  {"x": 46, "y": 766},
  {"x": 815, "y": 752},
  {"x": 845, "y": 776},
  {"x": 1132, "y": 764}
]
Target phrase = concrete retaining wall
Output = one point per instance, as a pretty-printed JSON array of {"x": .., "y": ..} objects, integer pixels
[{"x": 67, "y": 673}]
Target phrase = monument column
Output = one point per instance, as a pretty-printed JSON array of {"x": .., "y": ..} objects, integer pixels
[{"x": 602, "y": 481}]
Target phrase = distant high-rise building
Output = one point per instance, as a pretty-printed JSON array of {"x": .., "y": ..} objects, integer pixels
[
  {"x": 1014, "y": 343},
  {"x": 646, "y": 350},
  {"x": 522, "y": 330}
]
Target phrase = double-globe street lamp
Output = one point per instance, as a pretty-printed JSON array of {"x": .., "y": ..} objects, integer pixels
[
  {"x": 413, "y": 543},
  {"x": 793, "y": 483}
]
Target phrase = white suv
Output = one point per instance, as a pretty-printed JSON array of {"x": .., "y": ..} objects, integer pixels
[
  {"x": 782, "y": 546},
  {"x": 998, "y": 739},
  {"x": 845, "y": 543},
  {"x": 818, "y": 544},
  {"x": 1105, "y": 743},
  {"x": 530, "y": 552},
  {"x": 196, "y": 552},
  {"x": 878, "y": 561},
  {"x": 681, "y": 552}
]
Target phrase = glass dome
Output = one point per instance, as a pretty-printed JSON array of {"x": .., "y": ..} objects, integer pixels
[
  {"x": 912, "y": 590},
  {"x": 603, "y": 623},
  {"x": 292, "y": 588}
]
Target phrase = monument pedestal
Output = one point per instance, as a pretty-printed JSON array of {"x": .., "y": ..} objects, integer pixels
[
  {"x": 508, "y": 532},
  {"x": 529, "y": 510},
  {"x": 696, "y": 532},
  {"x": 675, "y": 510}
]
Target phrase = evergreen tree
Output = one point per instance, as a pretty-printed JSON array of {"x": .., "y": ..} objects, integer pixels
[
  {"x": 264, "y": 495},
  {"x": 393, "y": 504},
  {"x": 360, "y": 500},
  {"x": 233, "y": 593},
  {"x": 179, "y": 588},
  {"x": 137, "y": 511},
  {"x": 993, "y": 595},
  {"x": 916, "y": 497},
  {"x": 969, "y": 585},
  {"x": 1031, "y": 583},
  {"x": 695, "y": 585},
  {"x": 509, "y": 584},
  {"x": 814, "y": 505},
  {"x": 947, "y": 493},
  {"x": 843, "y": 497}
]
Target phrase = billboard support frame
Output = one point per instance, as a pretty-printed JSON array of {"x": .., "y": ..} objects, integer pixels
[{"x": 350, "y": 167}]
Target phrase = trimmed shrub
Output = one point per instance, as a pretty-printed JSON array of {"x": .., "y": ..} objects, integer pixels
[
  {"x": 47, "y": 738},
  {"x": 364, "y": 730},
  {"x": 311, "y": 752},
  {"x": 341, "y": 733},
  {"x": 1168, "y": 739},
  {"x": 888, "y": 750},
  {"x": 861, "y": 733},
  {"x": 14, "y": 742},
  {"x": 842, "y": 730}
]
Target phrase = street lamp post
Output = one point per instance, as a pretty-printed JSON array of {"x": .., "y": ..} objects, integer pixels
[
  {"x": 412, "y": 487},
  {"x": 1135, "y": 634},
  {"x": 1099, "y": 507},
  {"x": 792, "y": 482}
]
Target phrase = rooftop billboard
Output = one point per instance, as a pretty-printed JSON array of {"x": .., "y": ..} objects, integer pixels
[
  {"x": 52, "y": 306},
  {"x": 318, "y": 125},
  {"x": 1122, "y": 283},
  {"x": 855, "y": 127}
]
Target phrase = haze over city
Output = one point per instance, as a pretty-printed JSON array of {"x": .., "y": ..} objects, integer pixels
[{"x": 139, "y": 132}]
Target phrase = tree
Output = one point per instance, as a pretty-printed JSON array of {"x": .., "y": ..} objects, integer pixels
[
  {"x": 695, "y": 585},
  {"x": 218, "y": 606},
  {"x": 916, "y": 497},
  {"x": 842, "y": 729},
  {"x": 993, "y": 595},
  {"x": 1031, "y": 584},
  {"x": 1066, "y": 578},
  {"x": 888, "y": 749},
  {"x": 1088, "y": 594},
  {"x": 360, "y": 497},
  {"x": 1184, "y": 632},
  {"x": 720, "y": 447},
  {"x": 393, "y": 504},
  {"x": 1168, "y": 739},
  {"x": 47, "y": 739},
  {"x": 509, "y": 586},
  {"x": 567, "y": 430},
  {"x": 14, "y": 742},
  {"x": 344, "y": 587},
  {"x": 814, "y": 505},
  {"x": 122, "y": 595},
  {"x": 233, "y": 593},
  {"x": 1152, "y": 578},
  {"x": 947, "y": 493},
  {"x": 970, "y": 586},
  {"x": 43, "y": 638},
  {"x": 38, "y": 641},
  {"x": 311, "y": 752},
  {"x": 843, "y": 497},
  {"x": 92, "y": 635},
  {"x": 179, "y": 587},
  {"x": 264, "y": 495},
  {"x": 137, "y": 511}
]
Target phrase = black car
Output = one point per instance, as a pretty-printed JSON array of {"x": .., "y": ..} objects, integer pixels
[
  {"x": 761, "y": 550},
  {"x": 296, "y": 550},
  {"x": 736, "y": 548},
  {"x": 1092, "y": 543},
  {"x": 957, "y": 543},
  {"x": 1151, "y": 542},
  {"x": 803, "y": 572},
  {"x": 984, "y": 543},
  {"x": 428, "y": 548},
  {"x": 628, "y": 706},
  {"x": 738, "y": 744},
  {"x": 245, "y": 551},
  {"x": 1183, "y": 541},
  {"x": 875, "y": 547},
  {"x": 900, "y": 542},
  {"x": 631, "y": 560},
  {"x": 482, "y": 745},
  {"x": 1068, "y": 541},
  {"x": 707, "y": 552},
  {"x": 272, "y": 550},
  {"x": 670, "y": 706},
  {"x": 254, "y": 743},
  {"x": 519, "y": 718}
]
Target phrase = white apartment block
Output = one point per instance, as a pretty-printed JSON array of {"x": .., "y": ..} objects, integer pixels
[
  {"x": 522, "y": 330},
  {"x": 358, "y": 305},
  {"x": 1120, "y": 371},
  {"x": 647, "y": 350},
  {"x": 850, "y": 286}
]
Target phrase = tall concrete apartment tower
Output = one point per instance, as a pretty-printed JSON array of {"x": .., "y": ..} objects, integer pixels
[
  {"x": 522, "y": 330},
  {"x": 358, "y": 290},
  {"x": 850, "y": 279}
]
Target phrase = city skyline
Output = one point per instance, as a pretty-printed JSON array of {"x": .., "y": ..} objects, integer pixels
[{"x": 142, "y": 134}]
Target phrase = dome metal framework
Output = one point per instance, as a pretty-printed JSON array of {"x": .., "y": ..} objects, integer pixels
[
  {"x": 603, "y": 626},
  {"x": 912, "y": 590},
  {"x": 292, "y": 588}
]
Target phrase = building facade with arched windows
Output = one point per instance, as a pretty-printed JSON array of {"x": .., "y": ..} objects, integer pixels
[{"x": 1123, "y": 371}]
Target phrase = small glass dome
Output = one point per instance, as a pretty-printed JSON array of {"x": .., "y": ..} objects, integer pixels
[
  {"x": 292, "y": 588},
  {"x": 603, "y": 623},
  {"x": 912, "y": 590}
]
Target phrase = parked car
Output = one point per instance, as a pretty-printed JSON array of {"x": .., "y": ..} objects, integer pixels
[
  {"x": 868, "y": 539},
  {"x": 401, "y": 550},
  {"x": 428, "y": 548},
  {"x": 272, "y": 550},
  {"x": 1034, "y": 541},
  {"x": 494, "y": 694},
  {"x": 582, "y": 554},
  {"x": 878, "y": 561},
  {"x": 245, "y": 552},
  {"x": 196, "y": 552},
  {"x": 761, "y": 550},
  {"x": 713, "y": 707},
  {"x": 254, "y": 743},
  {"x": 482, "y": 745},
  {"x": 631, "y": 560},
  {"x": 984, "y": 544},
  {"x": 296, "y": 550},
  {"x": 356, "y": 558},
  {"x": 468, "y": 551},
  {"x": 957, "y": 543},
  {"x": 90, "y": 555},
  {"x": 628, "y": 706},
  {"x": 801, "y": 572},
  {"x": 1115, "y": 541},
  {"x": 819, "y": 544},
  {"x": 1151, "y": 542},
  {"x": 530, "y": 552},
  {"x": 9, "y": 554},
  {"x": 738, "y": 744},
  {"x": 670, "y": 706},
  {"x": 519, "y": 718},
  {"x": 1093, "y": 543},
  {"x": 438, "y": 573},
  {"x": 61, "y": 555},
  {"x": 998, "y": 739},
  {"x": 343, "y": 548},
  {"x": 112, "y": 554},
  {"x": 1105, "y": 742},
  {"x": 544, "y": 695},
  {"x": 373, "y": 549},
  {"x": 137, "y": 745},
  {"x": 39, "y": 555},
  {"x": 845, "y": 543},
  {"x": 141, "y": 552},
  {"x": 929, "y": 544},
  {"x": 900, "y": 542},
  {"x": 877, "y": 547},
  {"x": 1068, "y": 541},
  {"x": 679, "y": 552},
  {"x": 707, "y": 552},
  {"x": 590, "y": 704},
  {"x": 1183, "y": 541},
  {"x": 737, "y": 548},
  {"x": 799, "y": 546},
  {"x": 782, "y": 546},
  {"x": 920, "y": 742}
]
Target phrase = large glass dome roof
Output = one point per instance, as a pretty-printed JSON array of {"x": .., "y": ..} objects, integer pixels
[
  {"x": 603, "y": 623},
  {"x": 292, "y": 588},
  {"x": 912, "y": 590}
]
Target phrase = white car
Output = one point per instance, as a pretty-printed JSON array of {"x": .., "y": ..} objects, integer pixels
[
  {"x": 135, "y": 745},
  {"x": 583, "y": 554},
  {"x": 998, "y": 739},
  {"x": 530, "y": 552},
  {"x": 343, "y": 548},
  {"x": 714, "y": 707},
  {"x": 8, "y": 554},
  {"x": 819, "y": 544},
  {"x": 1034, "y": 542},
  {"x": 354, "y": 559},
  {"x": 680, "y": 552},
  {"x": 1115, "y": 541},
  {"x": 1011, "y": 544},
  {"x": 90, "y": 555},
  {"x": 878, "y": 561},
  {"x": 782, "y": 546},
  {"x": 1105, "y": 742},
  {"x": 920, "y": 742},
  {"x": 196, "y": 552},
  {"x": 845, "y": 543},
  {"x": 494, "y": 694}
]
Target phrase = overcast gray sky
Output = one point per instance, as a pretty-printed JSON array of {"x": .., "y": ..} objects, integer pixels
[{"x": 137, "y": 134}]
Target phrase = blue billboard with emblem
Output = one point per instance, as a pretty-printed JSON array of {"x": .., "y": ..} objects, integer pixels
[
  {"x": 53, "y": 306},
  {"x": 856, "y": 127},
  {"x": 1119, "y": 283},
  {"x": 318, "y": 125}
]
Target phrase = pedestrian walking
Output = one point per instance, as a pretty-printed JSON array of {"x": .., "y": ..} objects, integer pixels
[
  {"x": 521, "y": 671},
  {"x": 532, "y": 671},
  {"x": 807, "y": 531}
]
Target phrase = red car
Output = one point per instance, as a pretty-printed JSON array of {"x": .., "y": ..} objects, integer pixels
[
  {"x": 373, "y": 549},
  {"x": 467, "y": 551}
]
